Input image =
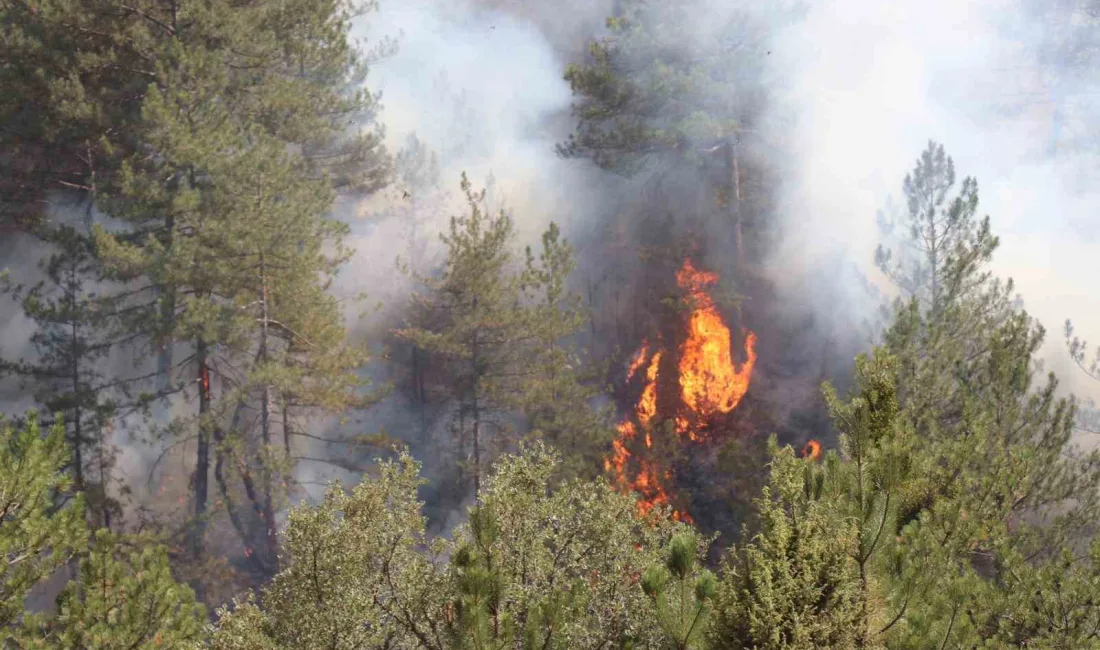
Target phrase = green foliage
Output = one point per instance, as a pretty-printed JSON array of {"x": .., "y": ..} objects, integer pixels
[
  {"x": 470, "y": 319},
  {"x": 661, "y": 83},
  {"x": 353, "y": 573},
  {"x": 1088, "y": 418},
  {"x": 795, "y": 584},
  {"x": 98, "y": 84},
  {"x": 39, "y": 532},
  {"x": 681, "y": 591},
  {"x": 216, "y": 134},
  {"x": 567, "y": 559},
  {"x": 937, "y": 249},
  {"x": 66, "y": 373},
  {"x": 996, "y": 495},
  {"x": 561, "y": 386},
  {"x": 123, "y": 598},
  {"x": 498, "y": 332},
  {"x": 535, "y": 567}
]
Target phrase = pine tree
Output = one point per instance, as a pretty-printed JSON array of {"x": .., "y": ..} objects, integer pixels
[
  {"x": 659, "y": 93},
  {"x": 286, "y": 355},
  {"x": 795, "y": 584},
  {"x": 875, "y": 488},
  {"x": 681, "y": 592},
  {"x": 116, "y": 600},
  {"x": 472, "y": 319},
  {"x": 560, "y": 390},
  {"x": 1088, "y": 418},
  {"x": 477, "y": 615},
  {"x": 421, "y": 197},
  {"x": 37, "y": 536},
  {"x": 658, "y": 85},
  {"x": 939, "y": 245},
  {"x": 500, "y": 333},
  {"x": 80, "y": 75},
  {"x": 122, "y": 598},
  {"x": 66, "y": 374},
  {"x": 996, "y": 482},
  {"x": 160, "y": 113}
]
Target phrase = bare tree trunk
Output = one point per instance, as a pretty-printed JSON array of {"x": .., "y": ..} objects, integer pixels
[
  {"x": 74, "y": 369},
  {"x": 286, "y": 424},
  {"x": 477, "y": 446},
  {"x": 476, "y": 414},
  {"x": 202, "y": 456},
  {"x": 167, "y": 314},
  {"x": 268, "y": 508},
  {"x": 733, "y": 206}
]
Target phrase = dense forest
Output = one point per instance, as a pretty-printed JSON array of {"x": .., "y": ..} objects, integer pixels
[{"x": 561, "y": 361}]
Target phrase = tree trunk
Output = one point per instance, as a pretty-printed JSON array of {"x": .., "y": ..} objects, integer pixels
[
  {"x": 268, "y": 508},
  {"x": 733, "y": 206},
  {"x": 475, "y": 360},
  {"x": 477, "y": 447},
  {"x": 167, "y": 316},
  {"x": 202, "y": 456},
  {"x": 286, "y": 424},
  {"x": 74, "y": 369}
]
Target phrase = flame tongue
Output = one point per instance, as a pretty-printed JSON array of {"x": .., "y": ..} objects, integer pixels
[{"x": 709, "y": 383}]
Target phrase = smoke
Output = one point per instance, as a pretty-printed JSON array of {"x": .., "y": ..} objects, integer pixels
[
  {"x": 480, "y": 87},
  {"x": 483, "y": 88},
  {"x": 871, "y": 82},
  {"x": 854, "y": 89}
]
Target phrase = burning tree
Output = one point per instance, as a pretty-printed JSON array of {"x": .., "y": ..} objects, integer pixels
[{"x": 708, "y": 385}]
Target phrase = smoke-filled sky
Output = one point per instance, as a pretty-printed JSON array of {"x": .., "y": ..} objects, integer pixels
[
  {"x": 860, "y": 87},
  {"x": 873, "y": 81}
]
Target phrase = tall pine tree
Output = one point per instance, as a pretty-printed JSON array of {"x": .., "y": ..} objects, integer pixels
[
  {"x": 561, "y": 387},
  {"x": 997, "y": 493},
  {"x": 66, "y": 373},
  {"x": 471, "y": 318}
]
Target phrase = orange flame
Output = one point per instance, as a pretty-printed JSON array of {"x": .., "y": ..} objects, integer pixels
[
  {"x": 709, "y": 381},
  {"x": 637, "y": 361},
  {"x": 812, "y": 450},
  {"x": 709, "y": 384},
  {"x": 647, "y": 404}
]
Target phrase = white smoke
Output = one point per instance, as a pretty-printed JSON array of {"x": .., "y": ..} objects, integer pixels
[{"x": 871, "y": 82}]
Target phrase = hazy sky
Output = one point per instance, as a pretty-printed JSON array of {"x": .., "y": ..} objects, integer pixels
[{"x": 874, "y": 80}]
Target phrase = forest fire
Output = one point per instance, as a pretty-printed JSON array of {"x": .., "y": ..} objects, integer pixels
[
  {"x": 812, "y": 450},
  {"x": 709, "y": 384}
]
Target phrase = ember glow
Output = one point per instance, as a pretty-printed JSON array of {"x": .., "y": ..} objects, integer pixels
[{"x": 710, "y": 384}]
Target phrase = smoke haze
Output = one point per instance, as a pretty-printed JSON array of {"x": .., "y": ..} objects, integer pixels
[
  {"x": 873, "y": 81},
  {"x": 857, "y": 88}
]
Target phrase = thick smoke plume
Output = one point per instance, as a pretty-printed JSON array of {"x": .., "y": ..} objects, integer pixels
[{"x": 856, "y": 89}]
